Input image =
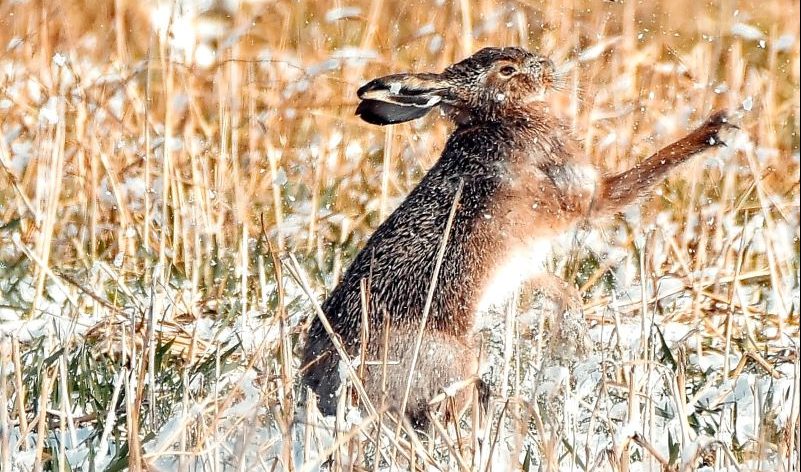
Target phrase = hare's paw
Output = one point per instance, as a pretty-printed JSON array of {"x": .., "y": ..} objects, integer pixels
[{"x": 710, "y": 132}]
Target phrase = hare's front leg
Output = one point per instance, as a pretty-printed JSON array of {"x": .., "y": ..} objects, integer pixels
[{"x": 624, "y": 188}]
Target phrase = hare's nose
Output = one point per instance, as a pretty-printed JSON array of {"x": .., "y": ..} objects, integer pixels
[
  {"x": 539, "y": 63},
  {"x": 536, "y": 64}
]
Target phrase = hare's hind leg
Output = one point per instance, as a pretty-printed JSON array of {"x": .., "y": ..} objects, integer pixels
[
  {"x": 443, "y": 362},
  {"x": 321, "y": 373},
  {"x": 562, "y": 305}
]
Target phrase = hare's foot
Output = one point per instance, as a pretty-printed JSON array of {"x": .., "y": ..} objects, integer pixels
[
  {"x": 561, "y": 304},
  {"x": 445, "y": 366}
]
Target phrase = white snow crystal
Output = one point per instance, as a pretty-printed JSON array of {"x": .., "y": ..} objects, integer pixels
[
  {"x": 784, "y": 43},
  {"x": 342, "y": 13},
  {"x": 747, "y": 31},
  {"x": 59, "y": 59},
  {"x": 48, "y": 114},
  {"x": 15, "y": 42}
]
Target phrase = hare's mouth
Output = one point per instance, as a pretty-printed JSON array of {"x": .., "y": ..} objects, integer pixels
[
  {"x": 538, "y": 88},
  {"x": 535, "y": 96}
]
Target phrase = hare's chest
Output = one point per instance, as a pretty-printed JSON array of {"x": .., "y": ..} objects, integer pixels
[
  {"x": 543, "y": 201},
  {"x": 573, "y": 179},
  {"x": 518, "y": 265},
  {"x": 573, "y": 189}
]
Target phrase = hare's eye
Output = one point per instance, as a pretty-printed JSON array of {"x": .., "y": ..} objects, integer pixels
[{"x": 508, "y": 71}]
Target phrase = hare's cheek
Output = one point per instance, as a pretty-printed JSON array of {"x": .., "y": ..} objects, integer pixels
[
  {"x": 523, "y": 89},
  {"x": 538, "y": 83},
  {"x": 495, "y": 84}
]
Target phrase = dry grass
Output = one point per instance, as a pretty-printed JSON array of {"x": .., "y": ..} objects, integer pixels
[{"x": 155, "y": 181}]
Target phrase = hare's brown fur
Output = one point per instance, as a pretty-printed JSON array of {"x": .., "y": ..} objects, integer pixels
[{"x": 524, "y": 182}]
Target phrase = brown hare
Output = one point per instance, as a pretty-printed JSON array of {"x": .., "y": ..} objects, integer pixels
[{"x": 521, "y": 181}]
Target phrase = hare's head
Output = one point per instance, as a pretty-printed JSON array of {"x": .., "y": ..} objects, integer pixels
[{"x": 485, "y": 86}]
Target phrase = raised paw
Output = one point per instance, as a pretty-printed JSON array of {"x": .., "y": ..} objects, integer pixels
[{"x": 709, "y": 133}]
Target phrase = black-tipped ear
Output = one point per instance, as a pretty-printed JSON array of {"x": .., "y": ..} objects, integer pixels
[
  {"x": 383, "y": 113},
  {"x": 400, "y": 97}
]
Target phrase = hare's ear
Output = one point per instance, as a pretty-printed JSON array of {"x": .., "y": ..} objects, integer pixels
[{"x": 400, "y": 97}]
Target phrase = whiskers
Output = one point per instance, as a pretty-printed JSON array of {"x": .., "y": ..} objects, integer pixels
[{"x": 561, "y": 82}]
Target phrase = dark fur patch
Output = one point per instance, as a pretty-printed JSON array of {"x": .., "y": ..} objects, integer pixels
[{"x": 383, "y": 113}]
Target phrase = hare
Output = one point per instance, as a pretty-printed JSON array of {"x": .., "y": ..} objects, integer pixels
[{"x": 521, "y": 181}]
